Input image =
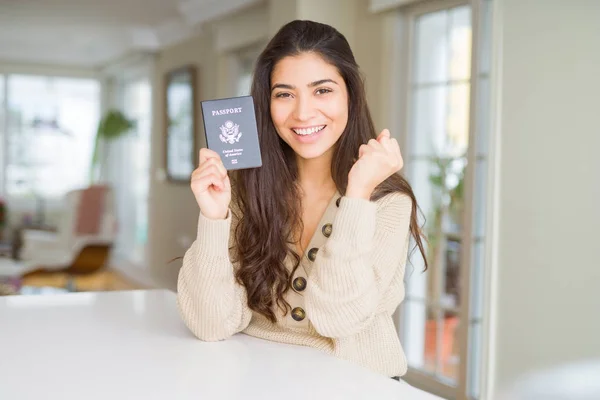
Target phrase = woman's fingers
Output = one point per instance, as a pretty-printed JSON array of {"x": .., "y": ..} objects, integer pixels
[
  {"x": 384, "y": 142},
  {"x": 206, "y": 154},
  {"x": 364, "y": 149},
  {"x": 212, "y": 163},
  {"x": 385, "y": 134},
  {"x": 203, "y": 182},
  {"x": 374, "y": 143},
  {"x": 208, "y": 170}
]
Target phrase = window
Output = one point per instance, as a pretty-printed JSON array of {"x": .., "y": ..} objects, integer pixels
[
  {"x": 438, "y": 142},
  {"x": 446, "y": 163},
  {"x": 2, "y": 133},
  {"x": 245, "y": 76},
  {"x": 245, "y": 60},
  {"x": 46, "y": 117},
  {"x": 49, "y": 116},
  {"x": 137, "y": 104},
  {"x": 125, "y": 165},
  {"x": 180, "y": 144}
]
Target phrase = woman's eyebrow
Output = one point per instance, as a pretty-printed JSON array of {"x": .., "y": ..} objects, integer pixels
[
  {"x": 312, "y": 84},
  {"x": 282, "y": 86},
  {"x": 321, "y": 81}
]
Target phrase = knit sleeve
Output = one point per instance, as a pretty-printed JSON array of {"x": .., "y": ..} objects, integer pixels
[
  {"x": 361, "y": 266},
  {"x": 211, "y": 302}
]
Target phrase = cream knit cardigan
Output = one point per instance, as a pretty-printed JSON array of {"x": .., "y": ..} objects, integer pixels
[{"x": 354, "y": 285}]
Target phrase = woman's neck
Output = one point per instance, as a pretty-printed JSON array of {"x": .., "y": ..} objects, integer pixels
[{"x": 314, "y": 175}]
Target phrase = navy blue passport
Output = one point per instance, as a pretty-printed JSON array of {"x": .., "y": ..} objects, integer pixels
[{"x": 231, "y": 131}]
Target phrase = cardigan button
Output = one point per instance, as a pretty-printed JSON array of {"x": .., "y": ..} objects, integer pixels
[
  {"x": 299, "y": 284},
  {"x": 298, "y": 314},
  {"x": 312, "y": 254},
  {"x": 327, "y": 228}
]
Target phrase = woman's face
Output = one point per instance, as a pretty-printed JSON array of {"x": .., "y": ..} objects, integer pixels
[{"x": 309, "y": 104}]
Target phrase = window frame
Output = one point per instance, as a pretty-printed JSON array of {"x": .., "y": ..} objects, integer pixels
[{"x": 402, "y": 25}]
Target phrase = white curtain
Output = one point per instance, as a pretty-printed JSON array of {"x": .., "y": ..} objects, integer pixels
[{"x": 124, "y": 163}]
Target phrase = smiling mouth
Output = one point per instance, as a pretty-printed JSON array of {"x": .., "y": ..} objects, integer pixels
[{"x": 308, "y": 131}]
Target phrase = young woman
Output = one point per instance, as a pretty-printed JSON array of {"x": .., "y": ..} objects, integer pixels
[{"x": 312, "y": 248}]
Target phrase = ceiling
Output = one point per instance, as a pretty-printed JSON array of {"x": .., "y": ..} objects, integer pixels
[{"x": 92, "y": 33}]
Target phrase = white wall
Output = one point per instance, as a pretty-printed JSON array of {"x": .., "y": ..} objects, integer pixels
[
  {"x": 548, "y": 270},
  {"x": 339, "y": 13},
  {"x": 173, "y": 210}
]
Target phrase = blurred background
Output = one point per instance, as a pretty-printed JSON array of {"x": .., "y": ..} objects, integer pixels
[{"x": 495, "y": 104}]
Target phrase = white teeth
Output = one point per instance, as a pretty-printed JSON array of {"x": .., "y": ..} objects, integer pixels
[{"x": 309, "y": 131}]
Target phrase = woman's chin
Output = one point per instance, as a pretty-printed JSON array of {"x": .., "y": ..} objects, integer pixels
[{"x": 310, "y": 152}]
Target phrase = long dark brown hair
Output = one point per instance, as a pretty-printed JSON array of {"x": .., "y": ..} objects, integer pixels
[{"x": 268, "y": 197}]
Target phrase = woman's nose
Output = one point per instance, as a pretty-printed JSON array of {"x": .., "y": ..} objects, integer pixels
[{"x": 304, "y": 109}]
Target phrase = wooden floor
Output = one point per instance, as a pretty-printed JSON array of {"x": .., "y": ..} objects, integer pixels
[{"x": 104, "y": 280}]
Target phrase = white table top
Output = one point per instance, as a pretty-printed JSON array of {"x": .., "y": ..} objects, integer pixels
[{"x": 130, "y": 345}]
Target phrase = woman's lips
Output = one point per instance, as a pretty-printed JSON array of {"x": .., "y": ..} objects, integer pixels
[{"x": 309, "y": 134}]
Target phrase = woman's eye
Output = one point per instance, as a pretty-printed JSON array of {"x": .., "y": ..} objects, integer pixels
[
  {"x": 282, "y": 94},
  {"x": 323, "y": 91}
]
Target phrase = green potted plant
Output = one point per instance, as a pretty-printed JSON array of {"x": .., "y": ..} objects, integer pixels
[
  {"x": 447, "y": 179},
  {"x": 112, "y": 126}
]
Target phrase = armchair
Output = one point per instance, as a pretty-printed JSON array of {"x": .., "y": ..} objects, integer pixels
[{"x": 82, "y": 242}]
